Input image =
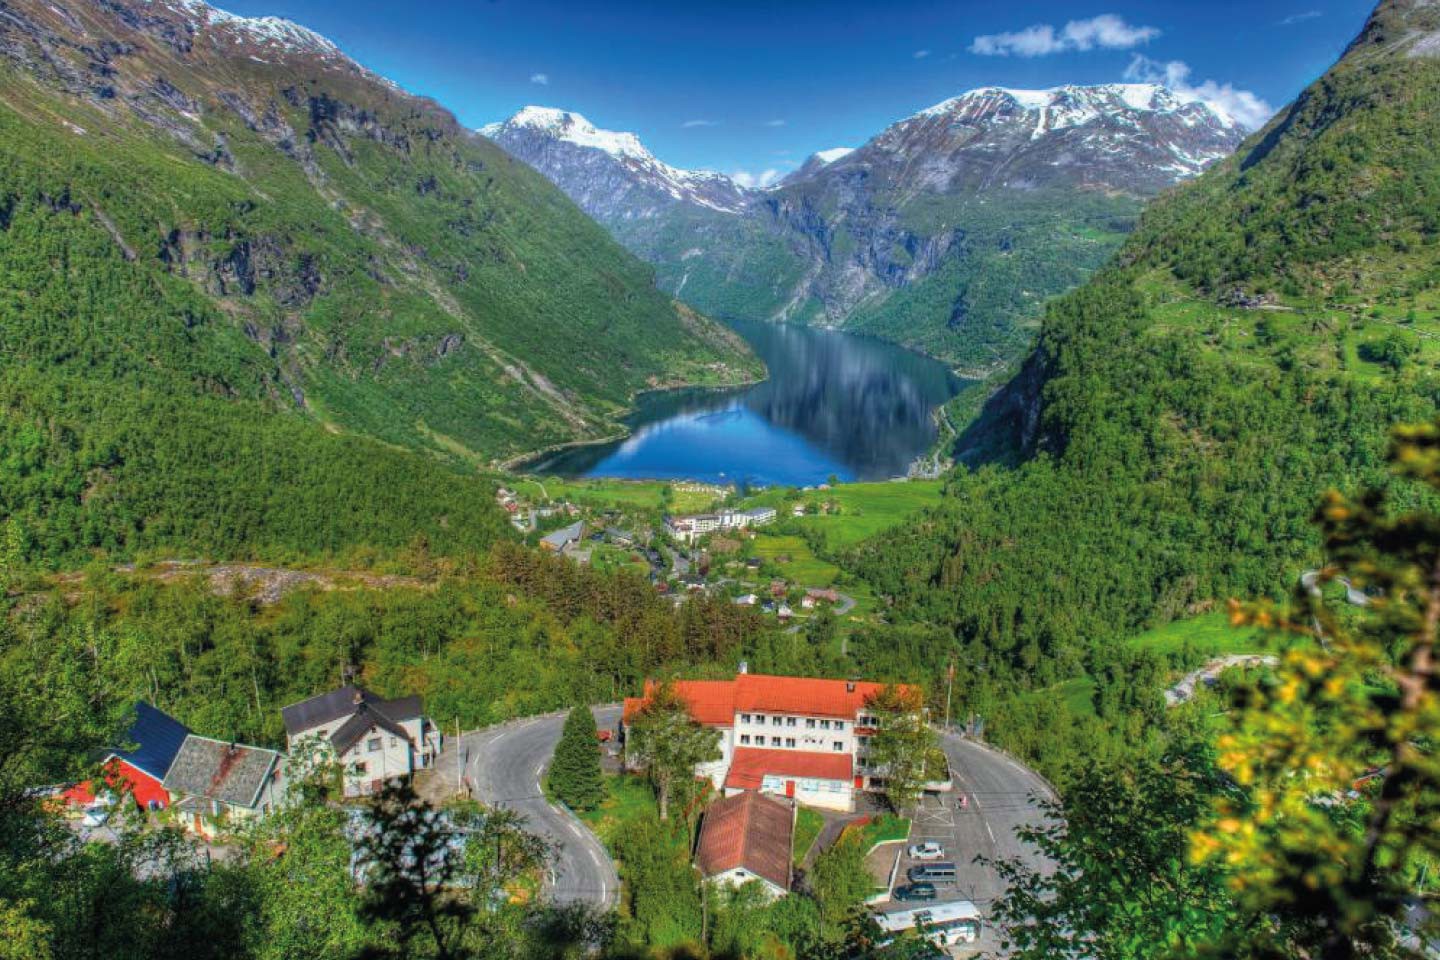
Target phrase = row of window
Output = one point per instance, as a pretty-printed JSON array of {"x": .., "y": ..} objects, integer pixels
[
  {"x": 810, "y": 722},
  {"x": 759, "y": 741}
]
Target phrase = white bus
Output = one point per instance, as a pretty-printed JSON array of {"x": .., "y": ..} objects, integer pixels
[{"x": 955, "y": 922}]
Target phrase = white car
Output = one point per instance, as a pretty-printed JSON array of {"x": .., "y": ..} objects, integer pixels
[
  {"x": 95, "y": 815},
  {"x": 929, "y": 850}
]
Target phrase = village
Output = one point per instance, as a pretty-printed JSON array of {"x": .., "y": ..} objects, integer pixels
[
  {"x": 754, "y": 548},
  {"x": 793, "y": 769}
]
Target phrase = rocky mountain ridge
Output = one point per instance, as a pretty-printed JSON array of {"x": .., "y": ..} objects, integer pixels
[{"x": 915, "y": 235}]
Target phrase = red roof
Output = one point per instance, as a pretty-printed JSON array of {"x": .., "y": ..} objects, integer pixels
[
  {"x": 750, "y": 831},
  {"x": 715, "y": 702},
  {"x": 751, "y": 766}
]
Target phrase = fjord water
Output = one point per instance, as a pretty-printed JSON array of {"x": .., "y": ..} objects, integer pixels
[{"x": 835, "y": 404}]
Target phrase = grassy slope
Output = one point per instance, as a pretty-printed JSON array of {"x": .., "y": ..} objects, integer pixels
[{"x": 245, "y": 330}]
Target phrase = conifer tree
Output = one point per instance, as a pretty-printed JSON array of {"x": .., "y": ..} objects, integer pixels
[{"x": 575, "y": 778}]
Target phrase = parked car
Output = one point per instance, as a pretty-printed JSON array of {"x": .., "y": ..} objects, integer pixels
[
  {"x": 929, "y": 850},
  {"x": 95, "y": 815},
  {"x": 944, "y": 873},
  {"x": 916, "y": 891}
]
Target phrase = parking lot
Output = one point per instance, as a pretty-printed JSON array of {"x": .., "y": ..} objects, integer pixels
[{"x": 1000, "y": 797}]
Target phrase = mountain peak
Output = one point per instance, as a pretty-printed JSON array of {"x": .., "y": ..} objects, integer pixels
[
  {"x": 1072, "y": 105},
  {"x": 1399, "y": 27},
  {"x": 573, "y": 128},
  {"x": 567, "y": 147},
  {"x": 271, "y": 33}
]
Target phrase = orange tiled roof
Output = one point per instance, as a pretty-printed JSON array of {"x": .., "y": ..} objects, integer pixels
[
  {"x": 711, "y": 702},
  {"x": 750, "y": 831},
  {"x": 750, "y": 766},
  {"x": 715, "y": 702}
]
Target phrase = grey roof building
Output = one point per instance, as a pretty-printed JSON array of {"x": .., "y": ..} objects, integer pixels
[{"x": 232, "y": 774}]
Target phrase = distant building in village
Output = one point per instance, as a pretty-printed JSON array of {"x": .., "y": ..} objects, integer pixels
[
  {"x": 563, "y": 538},
  {"x": 688, "y": 529}
]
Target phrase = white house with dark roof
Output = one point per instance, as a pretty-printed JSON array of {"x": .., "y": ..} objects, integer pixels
[{"x": 374, "y": 739}]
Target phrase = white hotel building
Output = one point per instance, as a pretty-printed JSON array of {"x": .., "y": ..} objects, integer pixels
[{"x": 797, "y": 737}]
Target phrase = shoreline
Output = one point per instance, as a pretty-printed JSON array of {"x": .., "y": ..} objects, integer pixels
[{"x": 514, "y": 464}]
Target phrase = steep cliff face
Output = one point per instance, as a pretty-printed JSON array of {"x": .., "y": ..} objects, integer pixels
[
  {"x": 946, "y": 231},
  {"x": 396, "y": 275}
]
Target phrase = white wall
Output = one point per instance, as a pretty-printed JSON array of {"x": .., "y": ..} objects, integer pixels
[
  {"x": 815, "y": 734},
  {"x": 393, "y": 759},
  {"x": 740, "y": 875}
]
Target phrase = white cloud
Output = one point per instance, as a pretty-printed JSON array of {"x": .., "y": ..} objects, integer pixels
[
  {"x": 920, "y": 54},
  {"x": 700, "y": 123},
  {"x": 774, "y": 123},
  {"x": 541, "y": 78},
  {"x": 1107, "y": 32},
  {"x": 1301, "y": 17},
  {"x": 756, "y": 181},
  {"x": 1242, "y": 106}
]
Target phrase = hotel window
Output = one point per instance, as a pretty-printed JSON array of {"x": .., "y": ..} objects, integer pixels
[
  {"x": 744, "y": 739},
  {"x": 744, "y": 718},
  {"x": 775, "y": 721},
  {"x": 839, "y": 724},
  {"x": 839, "y": 745},
  {"x": 774, "y": 741},
  {"x": 374, "y": 745},
  {"x": 810, "y": 723},
  {"x": 789, "y": 741},
  {"x": 789, "y": 721},
  {"x": 809, "y": 786},
  {"x": 824, "y": 724}
]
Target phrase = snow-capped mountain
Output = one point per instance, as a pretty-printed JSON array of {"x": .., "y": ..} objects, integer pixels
[
  {"x": 1134, "y": 137},
  {"x": 609, "y": 173},
  {"x": 947, "y": 230}
]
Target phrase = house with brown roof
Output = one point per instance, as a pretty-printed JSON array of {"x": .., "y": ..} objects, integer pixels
[
  {"x": 212, "y": 782},
  {"x": 374, "y": 739},
  {"x": 747, "y": 837},
  {"x": 803, "y": 738}
]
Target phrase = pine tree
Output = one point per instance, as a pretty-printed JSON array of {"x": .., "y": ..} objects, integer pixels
[{"x": 575, "y": 777}]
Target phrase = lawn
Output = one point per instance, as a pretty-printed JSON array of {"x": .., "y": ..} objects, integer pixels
[
  {"x": 884, "y": 828},
  {"x": 628, "y": 798},
  {"x": 1208, "y": 635},
  {"x": 612, "y": 494},
  {"x": 795, "y": 559},
  {"x": 864, "y": 509},
  {"x": 808, "y": 825}
]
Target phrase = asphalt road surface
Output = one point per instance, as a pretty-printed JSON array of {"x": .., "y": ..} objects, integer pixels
[
  {"x": 506, "y": 764},
  {"x": 1001, "y": 796}
]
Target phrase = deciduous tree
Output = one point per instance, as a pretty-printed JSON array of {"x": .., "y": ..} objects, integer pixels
[{"x": 664, "y": 740}]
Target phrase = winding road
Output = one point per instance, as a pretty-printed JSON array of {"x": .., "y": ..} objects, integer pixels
[{"x": 505, "y": 767}]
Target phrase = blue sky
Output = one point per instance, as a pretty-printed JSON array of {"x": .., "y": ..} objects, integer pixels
[{"x": 752, "y": 87}]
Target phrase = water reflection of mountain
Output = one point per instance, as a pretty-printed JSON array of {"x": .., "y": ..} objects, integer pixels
[
  {"x": 833, "y": 403},
  {"x": 866, "y": 402}
]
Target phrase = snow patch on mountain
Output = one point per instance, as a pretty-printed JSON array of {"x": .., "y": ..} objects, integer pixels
[
  {"x": 274, "y": 32},
  {"x": 833, "y": 154},
  {"x": 534, "y": 124}
]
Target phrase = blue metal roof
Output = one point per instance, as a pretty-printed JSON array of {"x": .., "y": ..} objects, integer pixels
[{"x": 158, "y": 736}]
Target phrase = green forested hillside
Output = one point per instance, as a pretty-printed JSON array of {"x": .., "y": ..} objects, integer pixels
[
  {"x": 231, "y": 270},
  {"x": 1183, "y": 412}
]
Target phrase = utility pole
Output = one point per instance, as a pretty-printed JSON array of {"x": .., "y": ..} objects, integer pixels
[{"x": 949, "y": 687}]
